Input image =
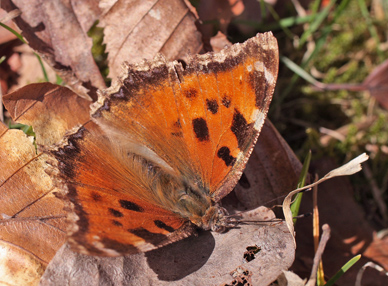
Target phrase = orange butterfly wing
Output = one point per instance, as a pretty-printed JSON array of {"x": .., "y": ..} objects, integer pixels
[
  {"x": 201, "y": 121},
  {"x": 107, "y": 216},
  {"x": 176, "y": 141}
]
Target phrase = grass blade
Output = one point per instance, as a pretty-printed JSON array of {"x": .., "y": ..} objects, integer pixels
[
  {"x": 301, "y": 182},
  {"x": 20, "y": 37},
  {"x": 343, "y": 269}
]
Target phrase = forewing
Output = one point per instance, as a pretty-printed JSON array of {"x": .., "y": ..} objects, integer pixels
[{"x": 200, "y": 122}]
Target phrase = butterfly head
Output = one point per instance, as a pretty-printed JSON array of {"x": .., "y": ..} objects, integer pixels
[{"x": 216, "y": 219}]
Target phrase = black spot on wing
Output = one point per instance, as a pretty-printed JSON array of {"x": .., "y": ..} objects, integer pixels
[
  {"x": 178, "y": 124},
  {"x": 177, "y": 129},
  {"x": 226, "y": 101},
  {"x": 115, "y": 213},
  {"x": 212, "y": 105},
  {"x": 177, "y": 134},
  {"x": 200, "y": 129},
  {"x": 116, "y": 223},
  {"x": 151, "y": 237},
  {"x": 96, "y": 197},
  {"x": 224, "y": 154},
  {"x": 241, "y": 129},
  {"x": 130, "y": 206},
  {"x": 190, "y": 93},
  {"x": 164, "y": 226}
]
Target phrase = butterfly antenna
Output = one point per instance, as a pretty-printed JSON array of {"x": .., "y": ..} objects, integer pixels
[{"x": 237, "y": 219}]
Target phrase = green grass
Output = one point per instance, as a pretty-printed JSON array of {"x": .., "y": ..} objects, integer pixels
[
  {"x": 20, "y": 37},
  {"x": 342, "y": 271}
]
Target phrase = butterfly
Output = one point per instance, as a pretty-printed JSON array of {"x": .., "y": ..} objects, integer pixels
[{"x": 164, "y": 145}]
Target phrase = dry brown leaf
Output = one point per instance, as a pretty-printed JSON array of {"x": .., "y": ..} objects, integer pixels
[
  {"x": 32, "y": 218},
  {"x": 57, "y": 31},
  {"x": 219, "y": 41},
  {"x": 209, "y": 259},
  {"x": 376, "y": 83},
  {"x": 148, "y": 28},
  {"x": 17, "y": 267},
  {"x": 50, "y": 109}
]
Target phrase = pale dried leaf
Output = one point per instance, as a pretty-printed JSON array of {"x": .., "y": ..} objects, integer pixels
[
  {"x": 349, "y": 168},
  {"x": 87, "y": 12},
  {"x": 204, "y": 260},
  {"x": 5, "y": 35},
  {"x": 146, "y": 29}
]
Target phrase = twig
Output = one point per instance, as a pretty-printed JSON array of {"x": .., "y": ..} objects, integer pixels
[
  {"x": 299, "y": 9},
  {"x": 318, "y": 255},
  {"x": 376, "y": 192},
  {"x": 332, "y": 133}
]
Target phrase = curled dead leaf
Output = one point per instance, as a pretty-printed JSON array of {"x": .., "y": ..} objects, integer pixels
[{"x": 349, "y": 168}]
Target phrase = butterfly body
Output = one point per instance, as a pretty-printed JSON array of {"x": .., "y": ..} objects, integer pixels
[{"x": 164, "y": 145}]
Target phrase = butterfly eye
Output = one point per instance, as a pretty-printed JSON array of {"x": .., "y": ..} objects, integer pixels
[
  {"x": 219, "y": 228},
  {"x": 221, "y": 221}
]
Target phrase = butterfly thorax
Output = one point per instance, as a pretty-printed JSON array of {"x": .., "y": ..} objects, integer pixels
[
  {"x": 215, "y": 219},
  {"x": 196, "y": 204}
]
